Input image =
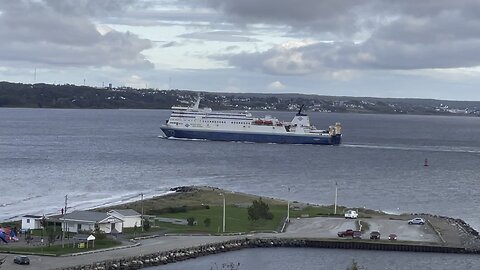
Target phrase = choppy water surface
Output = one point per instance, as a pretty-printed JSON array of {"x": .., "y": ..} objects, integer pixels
[
  {"x": 102, "y": 156},
  {"x": 107, "y": 156}
]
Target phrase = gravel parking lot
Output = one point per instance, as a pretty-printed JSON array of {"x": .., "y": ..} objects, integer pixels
[{"x": 328, "y": 227}]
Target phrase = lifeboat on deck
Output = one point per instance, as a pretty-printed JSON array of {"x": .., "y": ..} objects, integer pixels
[{"x": 268, "y": 122}]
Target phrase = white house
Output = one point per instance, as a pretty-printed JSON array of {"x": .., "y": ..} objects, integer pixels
[
  {"x": 31, "y": 222},
  {"x": 130, "y": 217},
  {"x": 86, "y": 221}
]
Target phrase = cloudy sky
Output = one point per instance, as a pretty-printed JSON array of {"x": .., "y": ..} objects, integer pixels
[{"x": 382, "y": 48}]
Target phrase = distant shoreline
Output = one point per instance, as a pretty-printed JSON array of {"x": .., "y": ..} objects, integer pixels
[{"x": 40, "y": 95}]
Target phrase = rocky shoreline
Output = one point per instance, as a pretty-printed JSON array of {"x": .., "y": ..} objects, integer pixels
[{"x": 469, "y": 237}]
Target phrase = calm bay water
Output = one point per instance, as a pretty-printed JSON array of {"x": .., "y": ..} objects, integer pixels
[
  {"x": 106, "y": 156},
  {"x": 328, "y": 259}
]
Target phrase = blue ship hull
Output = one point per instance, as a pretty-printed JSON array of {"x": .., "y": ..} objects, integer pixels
[{"x": 251, "y": 137}]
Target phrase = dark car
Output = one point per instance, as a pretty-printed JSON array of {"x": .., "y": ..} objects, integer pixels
[
  {"x": 357, "y": 235},
  {"x": 348, "y": 232},
  {"x": 21, "y": 260},
  {"x": 392, "y": 237},
  {"x": 374, "y": 235}
]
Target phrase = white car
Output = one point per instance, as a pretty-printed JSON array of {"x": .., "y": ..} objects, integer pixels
[
  {"x": 419, "y": 221},
  {"x": 351, "y": 214}
]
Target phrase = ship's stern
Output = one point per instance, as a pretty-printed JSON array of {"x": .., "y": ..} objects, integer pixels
[{"x": 336, "y": 139}]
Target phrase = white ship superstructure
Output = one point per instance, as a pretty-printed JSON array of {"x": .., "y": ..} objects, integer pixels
[{"x": 203, "y": 123}]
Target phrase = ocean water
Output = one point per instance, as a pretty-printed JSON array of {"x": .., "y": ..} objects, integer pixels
[
  {"x": 98, "y": 157},
  {"x": 328, "y": 259}
]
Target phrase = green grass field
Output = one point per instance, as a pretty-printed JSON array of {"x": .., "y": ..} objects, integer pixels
[
  {"x": 59, "y": 250},
  {"x": 236, "y": 220},
  {"x": 204, "y": 202}
]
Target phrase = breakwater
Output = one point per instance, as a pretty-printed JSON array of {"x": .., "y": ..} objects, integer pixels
[
  {"x": 470, "y": 238},
  {"x": 176, "y": 255}
]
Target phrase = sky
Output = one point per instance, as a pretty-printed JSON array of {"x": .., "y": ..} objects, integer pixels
[{"x": 377, "y": 48}]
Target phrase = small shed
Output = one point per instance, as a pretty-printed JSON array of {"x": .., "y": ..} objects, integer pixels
[
  {"x": 31, "y": 222},
  {"x": 91, "y": 238},
  {"x": 82, "y": 241}
]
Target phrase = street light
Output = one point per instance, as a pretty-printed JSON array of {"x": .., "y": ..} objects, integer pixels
[
  {"x": 336, "y": 196},
  {"x": 141, "y": 220},
  {"x": 288, "y": 204},
  {"x": 223, "y": 195}
]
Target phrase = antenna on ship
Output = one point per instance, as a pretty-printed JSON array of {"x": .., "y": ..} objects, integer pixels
[
  {"x": 300, "y": 111},
  {"x": 197, "y": 102}
]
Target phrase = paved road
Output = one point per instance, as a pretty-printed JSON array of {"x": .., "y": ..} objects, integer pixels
[{"x": 147, "y": 246}]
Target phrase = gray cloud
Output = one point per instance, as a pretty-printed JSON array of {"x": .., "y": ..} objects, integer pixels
[
  {"x": 329, "y": 16},
  {"x": 48, "y": 36},
  {"x": 94, "y": 7},
  {"x": 396, "y": 34}
]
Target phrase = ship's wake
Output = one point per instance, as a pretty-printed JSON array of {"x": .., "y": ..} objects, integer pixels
[{"x": 427, "y": 148}]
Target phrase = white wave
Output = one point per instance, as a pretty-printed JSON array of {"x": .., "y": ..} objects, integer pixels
[
  {"x": 90, "y": 201},
  {"x": 184, "y": 139}
]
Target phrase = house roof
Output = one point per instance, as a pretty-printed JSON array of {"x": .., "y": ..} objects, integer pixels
[
  {"x": 86, "y": 216},
  {"x": 32, "y": 216},
  {"x": 125, "y": 212}
]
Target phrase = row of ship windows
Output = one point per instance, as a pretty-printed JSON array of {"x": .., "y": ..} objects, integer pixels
[
  {"x": 225, "y": 122},
  {"x": 211, "y": 121}
]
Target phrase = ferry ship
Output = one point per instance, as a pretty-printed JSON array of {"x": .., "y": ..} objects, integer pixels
[{"x": 203, "y": 123}]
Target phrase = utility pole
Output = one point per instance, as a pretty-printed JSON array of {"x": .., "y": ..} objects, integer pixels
[
  {"x": 64, "y": 223},
  {"x": 288, "y": 206},
  {"x": 287, "y": 220},
  {"x": 141, "y": 194},
  {"x": 223, "y": 195},
  {"x": 336, "y": 196}
]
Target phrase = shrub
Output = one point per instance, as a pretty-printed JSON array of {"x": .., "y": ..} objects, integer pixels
[
  {"x": 146, "y": 224},
  {"x": 99, "y": 235},
  {"x": 259, "y": 209},
  {"x": 191, "y": 221},
  {"x": 207, "y": 222}
]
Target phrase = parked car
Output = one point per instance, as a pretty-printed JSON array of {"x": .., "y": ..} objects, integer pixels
[
  {"x": 357, "y": 235},
  {"x": 417, "y": 220},
  {"x": 348, "y": 232},
  {"x": 392, "y": 237},
  {"x": 21, "y": 260},
  {"x": 351, "y": 214},
  {"x": 375, "y": 235}
]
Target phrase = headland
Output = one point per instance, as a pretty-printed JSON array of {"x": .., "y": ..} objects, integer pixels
[{"x": 189, "y": 223}]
